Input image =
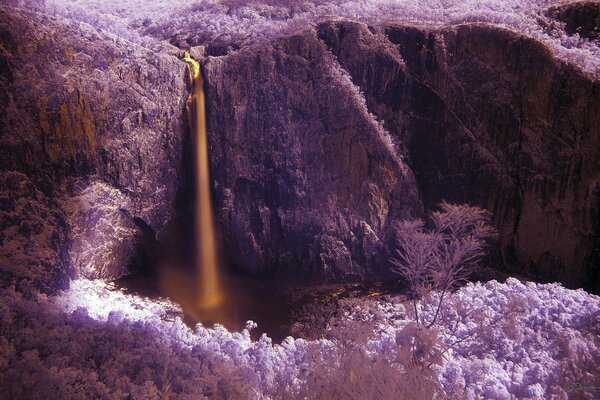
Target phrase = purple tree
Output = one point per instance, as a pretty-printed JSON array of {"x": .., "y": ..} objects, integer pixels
[{"x": 444, "y": 257}]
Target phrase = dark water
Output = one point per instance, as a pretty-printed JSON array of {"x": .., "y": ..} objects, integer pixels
[
  {"x": 277, "y": 310},
  {"x": 245, "y": 299}
]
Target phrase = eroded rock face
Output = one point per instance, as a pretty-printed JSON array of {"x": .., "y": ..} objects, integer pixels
[
  {"x": 305, "y": 177},
  {"x": 481, "y": 115},
  {"x": 320, "y": 141},
  {"x": 490, "y": 118},
  {"x": 33, "y": 244},
  {"x": 95, "y": 124}
]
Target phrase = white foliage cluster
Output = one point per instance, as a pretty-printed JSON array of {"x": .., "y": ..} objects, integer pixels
[
  {"x": 445, "y": 257},
  {"x": 511, "y": 340},
  {"x": 548, "y": 342},
  {"x": 244, "y": 22},
  {"x": 92, "y": 341},
  {"x": 99, "y": 228}
]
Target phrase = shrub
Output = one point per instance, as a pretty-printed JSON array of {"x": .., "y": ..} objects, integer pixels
[
  {"x": 356, "y": 372},
  {"x": 444, "y": 257}
]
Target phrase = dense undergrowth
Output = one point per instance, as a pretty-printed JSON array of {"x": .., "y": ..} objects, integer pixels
[{"x": 496, "y": 340}]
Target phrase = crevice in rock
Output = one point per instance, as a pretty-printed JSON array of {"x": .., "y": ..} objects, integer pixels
[{"x": 145, "y": 252}]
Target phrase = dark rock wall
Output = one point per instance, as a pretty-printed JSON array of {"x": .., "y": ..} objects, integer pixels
[
  {"x": 92, "y": 124},
  {"x": 320, "y": 142},
  {"x": 305, "y": 177},
  {"x": 490, "y": 118}
]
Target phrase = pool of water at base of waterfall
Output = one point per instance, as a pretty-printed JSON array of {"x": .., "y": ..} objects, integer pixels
[{"x": 279, "y": 311}]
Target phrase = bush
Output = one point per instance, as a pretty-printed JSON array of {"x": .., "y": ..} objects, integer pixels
[
  {"x": 356, "y": 372},
  {"x": 444, "y": 257}
]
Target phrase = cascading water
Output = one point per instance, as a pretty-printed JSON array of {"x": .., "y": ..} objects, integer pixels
[{"x": 210, "y": 294}]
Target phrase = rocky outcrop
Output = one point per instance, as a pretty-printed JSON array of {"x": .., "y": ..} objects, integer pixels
[
  {"x": 306, "y": 179},
  {"x": 579, "y": 17},
  {"x": 91, "y": 130},
  {"x": 490, "y": 118}
]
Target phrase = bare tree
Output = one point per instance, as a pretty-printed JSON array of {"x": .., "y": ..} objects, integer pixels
[{"x": 444, "y": 257}]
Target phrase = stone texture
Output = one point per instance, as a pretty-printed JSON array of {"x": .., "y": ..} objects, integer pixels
[
  {"x": 490, "y": 118},
  {"x": 95, "y": 123},
  {"x": 481, "y": 114},
  {"x": 320, "y": 142},
  {"x": 33, "y": 239},
  {"x": 306, "y": 179}
]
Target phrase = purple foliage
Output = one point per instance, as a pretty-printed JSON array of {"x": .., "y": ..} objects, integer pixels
[
  {"x": 444, "y": 257},
  {"x": 92, "y": 341}
]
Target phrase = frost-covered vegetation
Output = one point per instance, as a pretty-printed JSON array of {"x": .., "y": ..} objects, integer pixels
[
  {"x": 240, "y": 23},
  {"x": 444, "y": 258},
  {"x": 497, "y": 340},
  {"x": 492, "y": 340}
]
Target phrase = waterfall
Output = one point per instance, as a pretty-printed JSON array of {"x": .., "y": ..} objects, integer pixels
[{"x": 209, "y": 293}]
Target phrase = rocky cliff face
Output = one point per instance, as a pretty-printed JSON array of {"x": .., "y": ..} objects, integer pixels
[
  {"x": 320, "y": 141},
  {"x": 522, "y": 136},
  {"x": 91, "y": 130},
  {"x": 305, "y": 176},
  {"x": 480, "y": 114}
]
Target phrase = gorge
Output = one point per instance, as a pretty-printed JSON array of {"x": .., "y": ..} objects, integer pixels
[{"x": 323, "y": 125}]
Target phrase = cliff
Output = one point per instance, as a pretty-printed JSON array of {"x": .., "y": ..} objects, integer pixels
[
  {"x": 490, "y": 118},
  {"x": 321, "y": 138},
  {"x": 91, "y": 132}
]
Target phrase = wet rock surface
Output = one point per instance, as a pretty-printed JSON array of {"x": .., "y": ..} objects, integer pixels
[{"x": 94, "y": 124}]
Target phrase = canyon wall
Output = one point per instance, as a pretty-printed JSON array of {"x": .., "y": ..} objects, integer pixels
[
  {"x": 305, "y": 177},
  {"x": 321, "y": 140},
  {"x": 490, "y": 118},
  {"x": 479, "y": 114},
  {"x": 91, "y": 131}
]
